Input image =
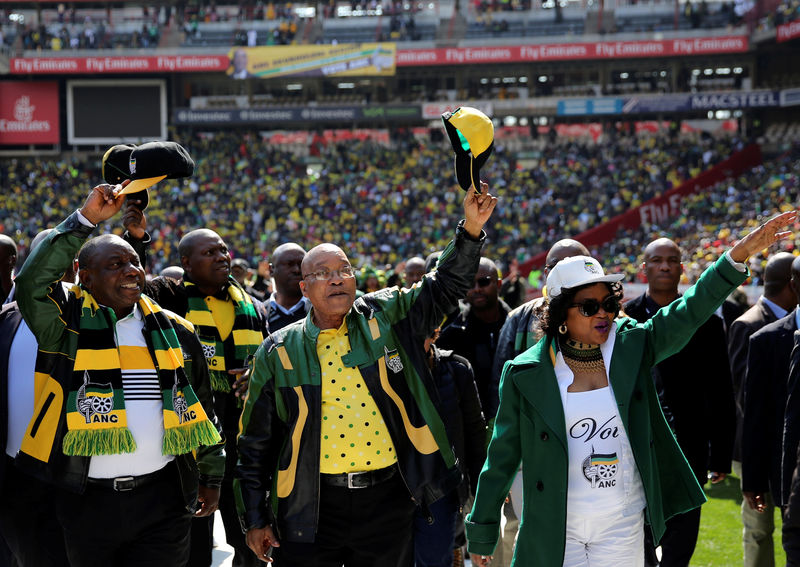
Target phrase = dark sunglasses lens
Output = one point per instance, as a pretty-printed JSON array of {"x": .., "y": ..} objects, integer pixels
[
  {"x": 484, "y": 281},
  {"x": 611, "y": 305},
  {"x": 589, "y": 307}
]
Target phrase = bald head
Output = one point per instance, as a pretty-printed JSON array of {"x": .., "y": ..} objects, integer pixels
[
  {"x": 777, "y": 274},
  {"x": 565, "y": 248},
  {"x": 414, "y": 270},
  {"x": 287, "y": 248},
  {"x": 319, "y": 252},
  {"x": 661, "y": 243},
  {"x": 6, "y": 243},
  {"x": 193, "y": 238},
  {"x": 488, "y": 265}
]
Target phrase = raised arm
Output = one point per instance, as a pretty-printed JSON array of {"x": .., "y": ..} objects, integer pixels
[
  {"x": 672, "y": 326},
  {"x": 38, "y": 293},
  {"x": 427, "y": 302}
]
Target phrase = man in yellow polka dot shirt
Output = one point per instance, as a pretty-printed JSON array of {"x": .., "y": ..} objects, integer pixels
[{"x": 340, "y": 438}]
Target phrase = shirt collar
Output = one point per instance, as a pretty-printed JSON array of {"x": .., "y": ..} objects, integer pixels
[
  {"x": 297, "y": 306},
  {"x": 135, "y": 315},
  {"x": 776, "y": 309}
]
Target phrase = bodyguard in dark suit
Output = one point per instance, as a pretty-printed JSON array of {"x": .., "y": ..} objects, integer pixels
[
  {"x": 777, "y": 301},
  {"x": 764, "y": 405},
  {"x": 695, "y": 386},
  {"x": 791, "y": 463}
]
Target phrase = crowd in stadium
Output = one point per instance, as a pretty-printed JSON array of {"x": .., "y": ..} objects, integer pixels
[{"x": 401, "y": 193}]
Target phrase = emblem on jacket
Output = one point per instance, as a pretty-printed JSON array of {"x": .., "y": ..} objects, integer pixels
[
  {"x": 600, "y": 469},
  {"x": 94, "y": 401},
  {"x": 392, "y": 358},
  {"x": 209, "y": 351}
]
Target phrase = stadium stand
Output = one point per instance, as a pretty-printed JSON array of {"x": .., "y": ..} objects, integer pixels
[
  {"x": 385, "y": 202},
  {"x": 750, "y": 198}
]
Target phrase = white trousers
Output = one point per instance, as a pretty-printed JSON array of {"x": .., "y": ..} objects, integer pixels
[{"x": 605, "y": 541}]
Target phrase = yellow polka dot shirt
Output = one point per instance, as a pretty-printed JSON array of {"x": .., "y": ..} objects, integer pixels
[{"x": 354, "y": 435}]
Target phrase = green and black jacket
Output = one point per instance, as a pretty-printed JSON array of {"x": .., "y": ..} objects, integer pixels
[
  {"x": 279, "y": 440},
  {"x": 54, "y": 317}
]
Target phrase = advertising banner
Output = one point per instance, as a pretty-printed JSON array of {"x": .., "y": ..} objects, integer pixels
[
  {"x": 718, "y": 101},
  {"x": 649, "y": 104},
  {"x": 119, "y": 64},
  {"x": 589, "y": 106},
  {"x": 788, "y": 31},
  {"x": 386, "y": 113},
  {"x": 29, "y": 113},
  {"x": 571, "y": 51},
  {"x": 355, "y": 59},
  {"x": 790, "y": 97}
]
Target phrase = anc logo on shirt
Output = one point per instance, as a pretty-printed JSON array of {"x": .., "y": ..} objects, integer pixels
[
  {"x": 393, "y": 361},
  {"x": 600, "y": 469}
]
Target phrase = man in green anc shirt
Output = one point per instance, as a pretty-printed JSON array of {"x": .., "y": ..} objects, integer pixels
[
  {"x": 123, "y": 400},
  {"x": 340, "y": 439}
]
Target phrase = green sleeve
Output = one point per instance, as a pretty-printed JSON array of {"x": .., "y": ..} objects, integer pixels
[
  {"x": 37, "y": 289},
  {"x": 501, "y": 466}
]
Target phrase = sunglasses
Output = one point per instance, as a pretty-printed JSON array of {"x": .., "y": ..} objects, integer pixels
[
  {"x": 484, "y": 281},
  {"x": 590, "y": 307}
]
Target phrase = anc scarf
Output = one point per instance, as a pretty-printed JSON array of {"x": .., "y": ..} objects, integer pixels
[
  {"x": 96, "y": 419},
  {"x": 239, "y": 346}
]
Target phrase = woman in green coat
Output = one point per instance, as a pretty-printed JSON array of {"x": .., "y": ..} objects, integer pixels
[{"x": 580, "y": 411}]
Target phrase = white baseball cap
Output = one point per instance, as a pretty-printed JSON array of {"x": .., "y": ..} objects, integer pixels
[{"x": 576, "y": 271}]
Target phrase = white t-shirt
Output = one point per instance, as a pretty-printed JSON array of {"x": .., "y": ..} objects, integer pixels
[
  {"x": 594, "y": 439},
  {"x": 632, "y": 498}
]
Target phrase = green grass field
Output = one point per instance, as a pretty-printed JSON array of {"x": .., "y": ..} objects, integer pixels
[{"x": 720, "y": 541}]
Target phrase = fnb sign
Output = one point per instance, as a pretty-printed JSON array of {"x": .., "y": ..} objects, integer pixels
[{"x": 29, "y": 113}]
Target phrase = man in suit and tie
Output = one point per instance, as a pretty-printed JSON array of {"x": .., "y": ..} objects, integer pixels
[
  {"x": 764, "y": 403},
  {"x": 776, "y": 302}
]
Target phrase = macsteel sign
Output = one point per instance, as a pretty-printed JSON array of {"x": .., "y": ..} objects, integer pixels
[
  {"x": 28, "y": 113},
  {"x": 118, "y": 64},
  {"x": 571, "y": 51}
]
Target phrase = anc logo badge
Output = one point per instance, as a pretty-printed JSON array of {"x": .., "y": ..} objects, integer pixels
[
  {"x": 209, "y": 350},
  {"x": 590, "y": 267},
  {"x": 392, "y": 358},
  {"x": 600, "y": 469},
  {"x": 94, "y": 398},
  {"x": 179, "y": 404}
]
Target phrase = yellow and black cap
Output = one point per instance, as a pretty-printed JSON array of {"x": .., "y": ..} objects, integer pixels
[
  {"x": 145, "y": 165},
  {"x": 471, "y": 134}
]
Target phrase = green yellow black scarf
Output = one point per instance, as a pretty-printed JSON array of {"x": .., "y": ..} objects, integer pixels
[
  {"x": 96, "y": 418},
  {"x": 236, "y": 350}
]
